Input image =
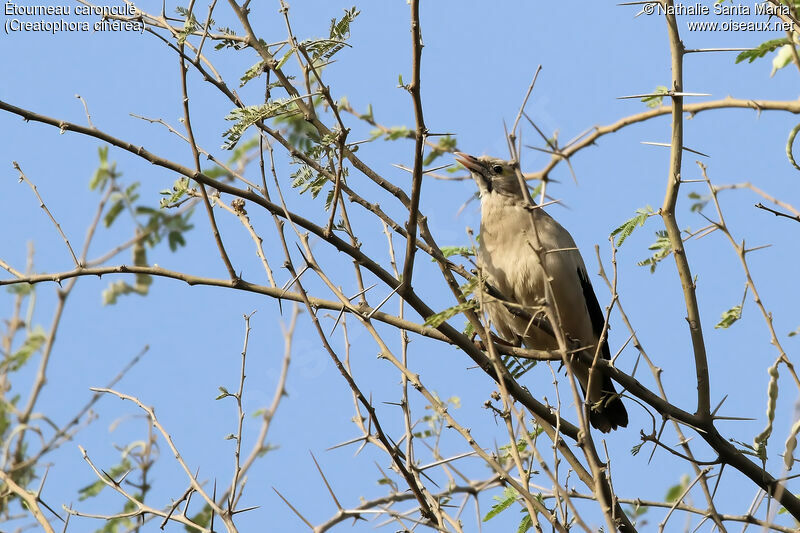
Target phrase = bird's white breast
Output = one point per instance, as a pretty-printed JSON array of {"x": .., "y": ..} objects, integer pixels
[{"x": 508, "y": 259}]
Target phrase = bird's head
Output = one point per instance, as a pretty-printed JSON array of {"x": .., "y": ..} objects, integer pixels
[{"x": 492, "y": 175}]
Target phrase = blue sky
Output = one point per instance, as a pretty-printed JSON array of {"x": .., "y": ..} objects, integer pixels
[{"x": 477, "y": 64}]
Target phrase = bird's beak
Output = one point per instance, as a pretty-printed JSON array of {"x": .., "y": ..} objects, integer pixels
[{"x": 469, "y": 162}]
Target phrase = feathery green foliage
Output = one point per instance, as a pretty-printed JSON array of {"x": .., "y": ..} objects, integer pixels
[
  {"x": 229, "y": 43},
  {"x": 504, "y": 501},
  {"x": 118, "y": 201},
  {"x": 244, "y": 117},
  {"x": 517, "y": 366},
  {"x": 449, "y": 251},
  {"x": 624, "y": 231},
  {"x": 34, "y": 340},
  {"x": 701, "y": 201},
  {"x": 674, "y": 492},
  {"x": 439, "y": 318},
  {"x": 322, "y": 50},
  {"x": 761, "y": 50},
  {"x": 190, "y": 24},
  {"x": 729, "y": 317},
  {"x": 662, "y": 248},
  {"x": 657, "y": 97},
  {"x": 445, "y": 144}
]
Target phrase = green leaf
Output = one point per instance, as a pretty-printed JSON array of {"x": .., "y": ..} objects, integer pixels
[
  {"x": 341, "y": 29},
  {"x": 676, "y": 490},
  {"x": 525, "y": 524},
  {"x": 282, "y": 61},
  {"x": 118, "y": 201},
  {"x": 761, "y": 50},
  {"x": 637, "y": 448},
  {"x": 33, "y": 343},
  {"x": 322, "y": 50},
  {"x": 179, "y": 189},
  {"x": 701, "y": 202},
  {"x": 393, "y": 133},
  {"x": 504, "y": 501},
  {"x": 175, "y": 240},
  {"x": 469, "y": 287},
  {"x": 655, "y": 101},
  {"x": 536, "y": 191},
  {"x": 190, "y": 25},
  {"x": 469, "y": 329},
  {"x": 438, "y": 319},
  {"x": 244, "y": 117},
  {"x": 203, "y": 519},
  {"x": 229, "y": 43},
  {"x": 627, "y": 227},
  {"x": 329, "y": 198},
  {"x": 795, "y": 332},
  {"x": 253, "y": 72},
  {"x": 449, "y": 251},
  {"x": 445, "y": 145},
  {"x": 522, "y": 443},
  {"x": 301, "y": 133},
  {"x": 130, "y": 192},
  {"x": 307, "y": 179},
  {"x": 146, "y": 210},
  {"x": 223, "y": 393},
  {"x": 90, "y": 491},
  {"x": 517, "y": 366},
  {"x": 104, "y": 171},
  {"x": 160, "y": 224},
  {"x": 113, "y": 212},
  {"x": 25, "y": 289},
  {"x": 729, "y": 317},
  {"x": 662, "y": 248}
]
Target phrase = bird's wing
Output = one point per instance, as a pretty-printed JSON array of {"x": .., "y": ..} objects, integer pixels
[{"x": 595, "y": 312}]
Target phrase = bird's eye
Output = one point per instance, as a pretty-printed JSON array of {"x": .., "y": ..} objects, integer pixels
[{"x": 497, "y": 169}]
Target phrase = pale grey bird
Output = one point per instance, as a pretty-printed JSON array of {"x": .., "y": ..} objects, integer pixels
[{"x": 507, "y": 258}]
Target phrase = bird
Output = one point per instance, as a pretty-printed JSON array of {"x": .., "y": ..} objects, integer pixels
[{"x": 512, "y": 229}]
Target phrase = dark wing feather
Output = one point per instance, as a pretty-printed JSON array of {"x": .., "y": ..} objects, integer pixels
[
  {"x": 611, "y": 413},
  {"x": 595, "y": 312}
]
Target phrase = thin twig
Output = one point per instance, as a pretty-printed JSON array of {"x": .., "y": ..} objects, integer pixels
[{"x": 23, "y": 177}]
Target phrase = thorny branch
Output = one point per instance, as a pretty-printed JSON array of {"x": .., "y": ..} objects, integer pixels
[{"x": 515, "y": 468}]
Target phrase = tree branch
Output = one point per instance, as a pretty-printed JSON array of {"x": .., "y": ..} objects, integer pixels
[{"x": 668, "y": 215}]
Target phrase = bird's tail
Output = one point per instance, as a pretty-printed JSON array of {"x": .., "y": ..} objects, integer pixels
[{"x": 609, "y": 412}]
